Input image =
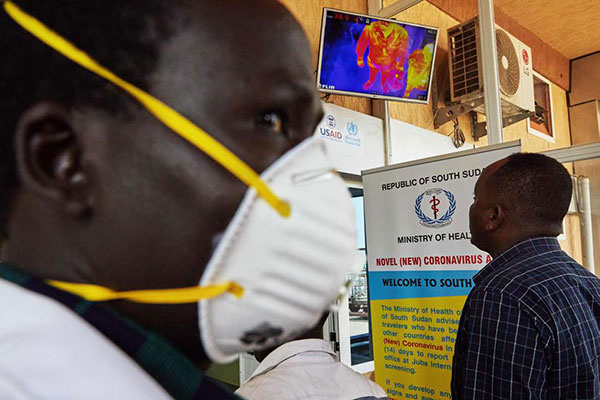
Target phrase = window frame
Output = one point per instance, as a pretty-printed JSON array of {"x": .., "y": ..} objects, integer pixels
[{"x": 531, "y": 129}]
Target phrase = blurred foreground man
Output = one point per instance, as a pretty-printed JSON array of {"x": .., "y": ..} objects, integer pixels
[
  {"x": 530, "y": 328},
  {"x": 139, "y": 240},
  {"x": 307, "y": 368}
]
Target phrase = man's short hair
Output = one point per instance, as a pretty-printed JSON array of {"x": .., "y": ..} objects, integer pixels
[
  {"x": 538, "y": 187},
  {"x": 124, "y": 36}
]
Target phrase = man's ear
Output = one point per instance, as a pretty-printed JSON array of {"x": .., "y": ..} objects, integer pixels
[
  {"x": 495, "y": 218},
  {"x": 48, "y": 149}
]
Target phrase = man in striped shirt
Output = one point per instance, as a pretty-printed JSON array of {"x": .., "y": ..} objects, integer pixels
[{"x": 530, "y": 328}]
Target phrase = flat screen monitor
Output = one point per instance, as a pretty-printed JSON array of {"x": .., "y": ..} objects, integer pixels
[{"x": 379, "y": 58}]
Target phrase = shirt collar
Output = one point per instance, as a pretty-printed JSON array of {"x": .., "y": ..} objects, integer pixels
[
  {"x": 155, "y": 355},
  {"x": 527, "y": 246},
  {"x": 291, "y": 349}
]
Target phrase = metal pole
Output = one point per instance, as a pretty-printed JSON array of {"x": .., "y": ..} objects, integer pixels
[
  {"x": 387, "y": 134},
  {"x": 381, "y": 109},
  {"x": 491, "y": 87},
  {"x": 587, "y": 232},
  {"x": 575, "y": 153}
]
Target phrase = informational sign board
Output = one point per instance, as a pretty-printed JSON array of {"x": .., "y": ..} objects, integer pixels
[{"x": 420, "y": 266}]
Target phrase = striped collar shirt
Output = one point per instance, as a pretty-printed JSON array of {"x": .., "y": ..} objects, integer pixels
[{"x": 530, "y": 328}]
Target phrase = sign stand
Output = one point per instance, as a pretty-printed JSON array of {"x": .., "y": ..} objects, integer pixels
[{"x": 420, "y": 265}]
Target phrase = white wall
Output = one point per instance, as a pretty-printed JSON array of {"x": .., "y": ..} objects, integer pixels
[
  {"x": 410, "y": 143},
  {"x": 355, "y": 141}
]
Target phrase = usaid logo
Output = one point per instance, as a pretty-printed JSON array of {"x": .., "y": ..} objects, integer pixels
[
  {"x": 331, "y": 134},
  {"x": 352, "y": 128},
  {"x": 330, "y": 121}
]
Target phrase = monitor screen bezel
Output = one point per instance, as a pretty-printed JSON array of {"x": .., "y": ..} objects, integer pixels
[{"x": 370, "y": 95}]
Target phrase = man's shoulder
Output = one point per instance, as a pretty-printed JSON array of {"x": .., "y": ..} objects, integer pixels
[
  {"x": 537, "y": 274},
  {"x": 46, "y": 351},
  {"x": 365, "y": 388},
  {"x": 269, "y": 386},
  {"x": 553, "y": 289},
  {"x": 283, "y": 386}
]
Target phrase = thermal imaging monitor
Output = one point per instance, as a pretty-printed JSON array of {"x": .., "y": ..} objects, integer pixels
[{"x": 379, "y": 58}]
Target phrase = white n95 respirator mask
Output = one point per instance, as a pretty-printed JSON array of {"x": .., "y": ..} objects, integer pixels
[{"x": 291, "y": 268}]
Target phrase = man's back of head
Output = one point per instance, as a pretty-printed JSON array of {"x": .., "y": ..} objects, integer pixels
[
  {"x": 535, "y": 185},
  {"x": 523, "y": 195}
]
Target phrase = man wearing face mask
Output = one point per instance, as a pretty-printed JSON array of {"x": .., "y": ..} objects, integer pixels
[{"x": 127, "y": 150}]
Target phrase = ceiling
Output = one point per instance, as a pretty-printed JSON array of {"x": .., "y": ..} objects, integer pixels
[{"x": 572, "y": 27}]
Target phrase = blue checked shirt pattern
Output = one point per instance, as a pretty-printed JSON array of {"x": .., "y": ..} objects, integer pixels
[{"x": 530, "y": 328}]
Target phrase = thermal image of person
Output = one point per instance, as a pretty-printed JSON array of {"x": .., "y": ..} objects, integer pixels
[
  {"x": 419, "y": 66},
  {"x": 388, "y": 47}
]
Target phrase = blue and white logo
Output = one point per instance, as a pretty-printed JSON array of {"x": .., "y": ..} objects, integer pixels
[
  {"x": 435, "y": 208},
  {"x": 352, "y": 128},
  {"x": 330, "y": 121}
]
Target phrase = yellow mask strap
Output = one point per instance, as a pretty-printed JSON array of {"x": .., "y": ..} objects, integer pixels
[
  {"x": 171, "y": 118},
  {"x": 159, "y": 296}
]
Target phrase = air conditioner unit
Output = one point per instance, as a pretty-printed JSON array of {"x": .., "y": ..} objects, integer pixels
[{"x": 514, "y": 65}]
